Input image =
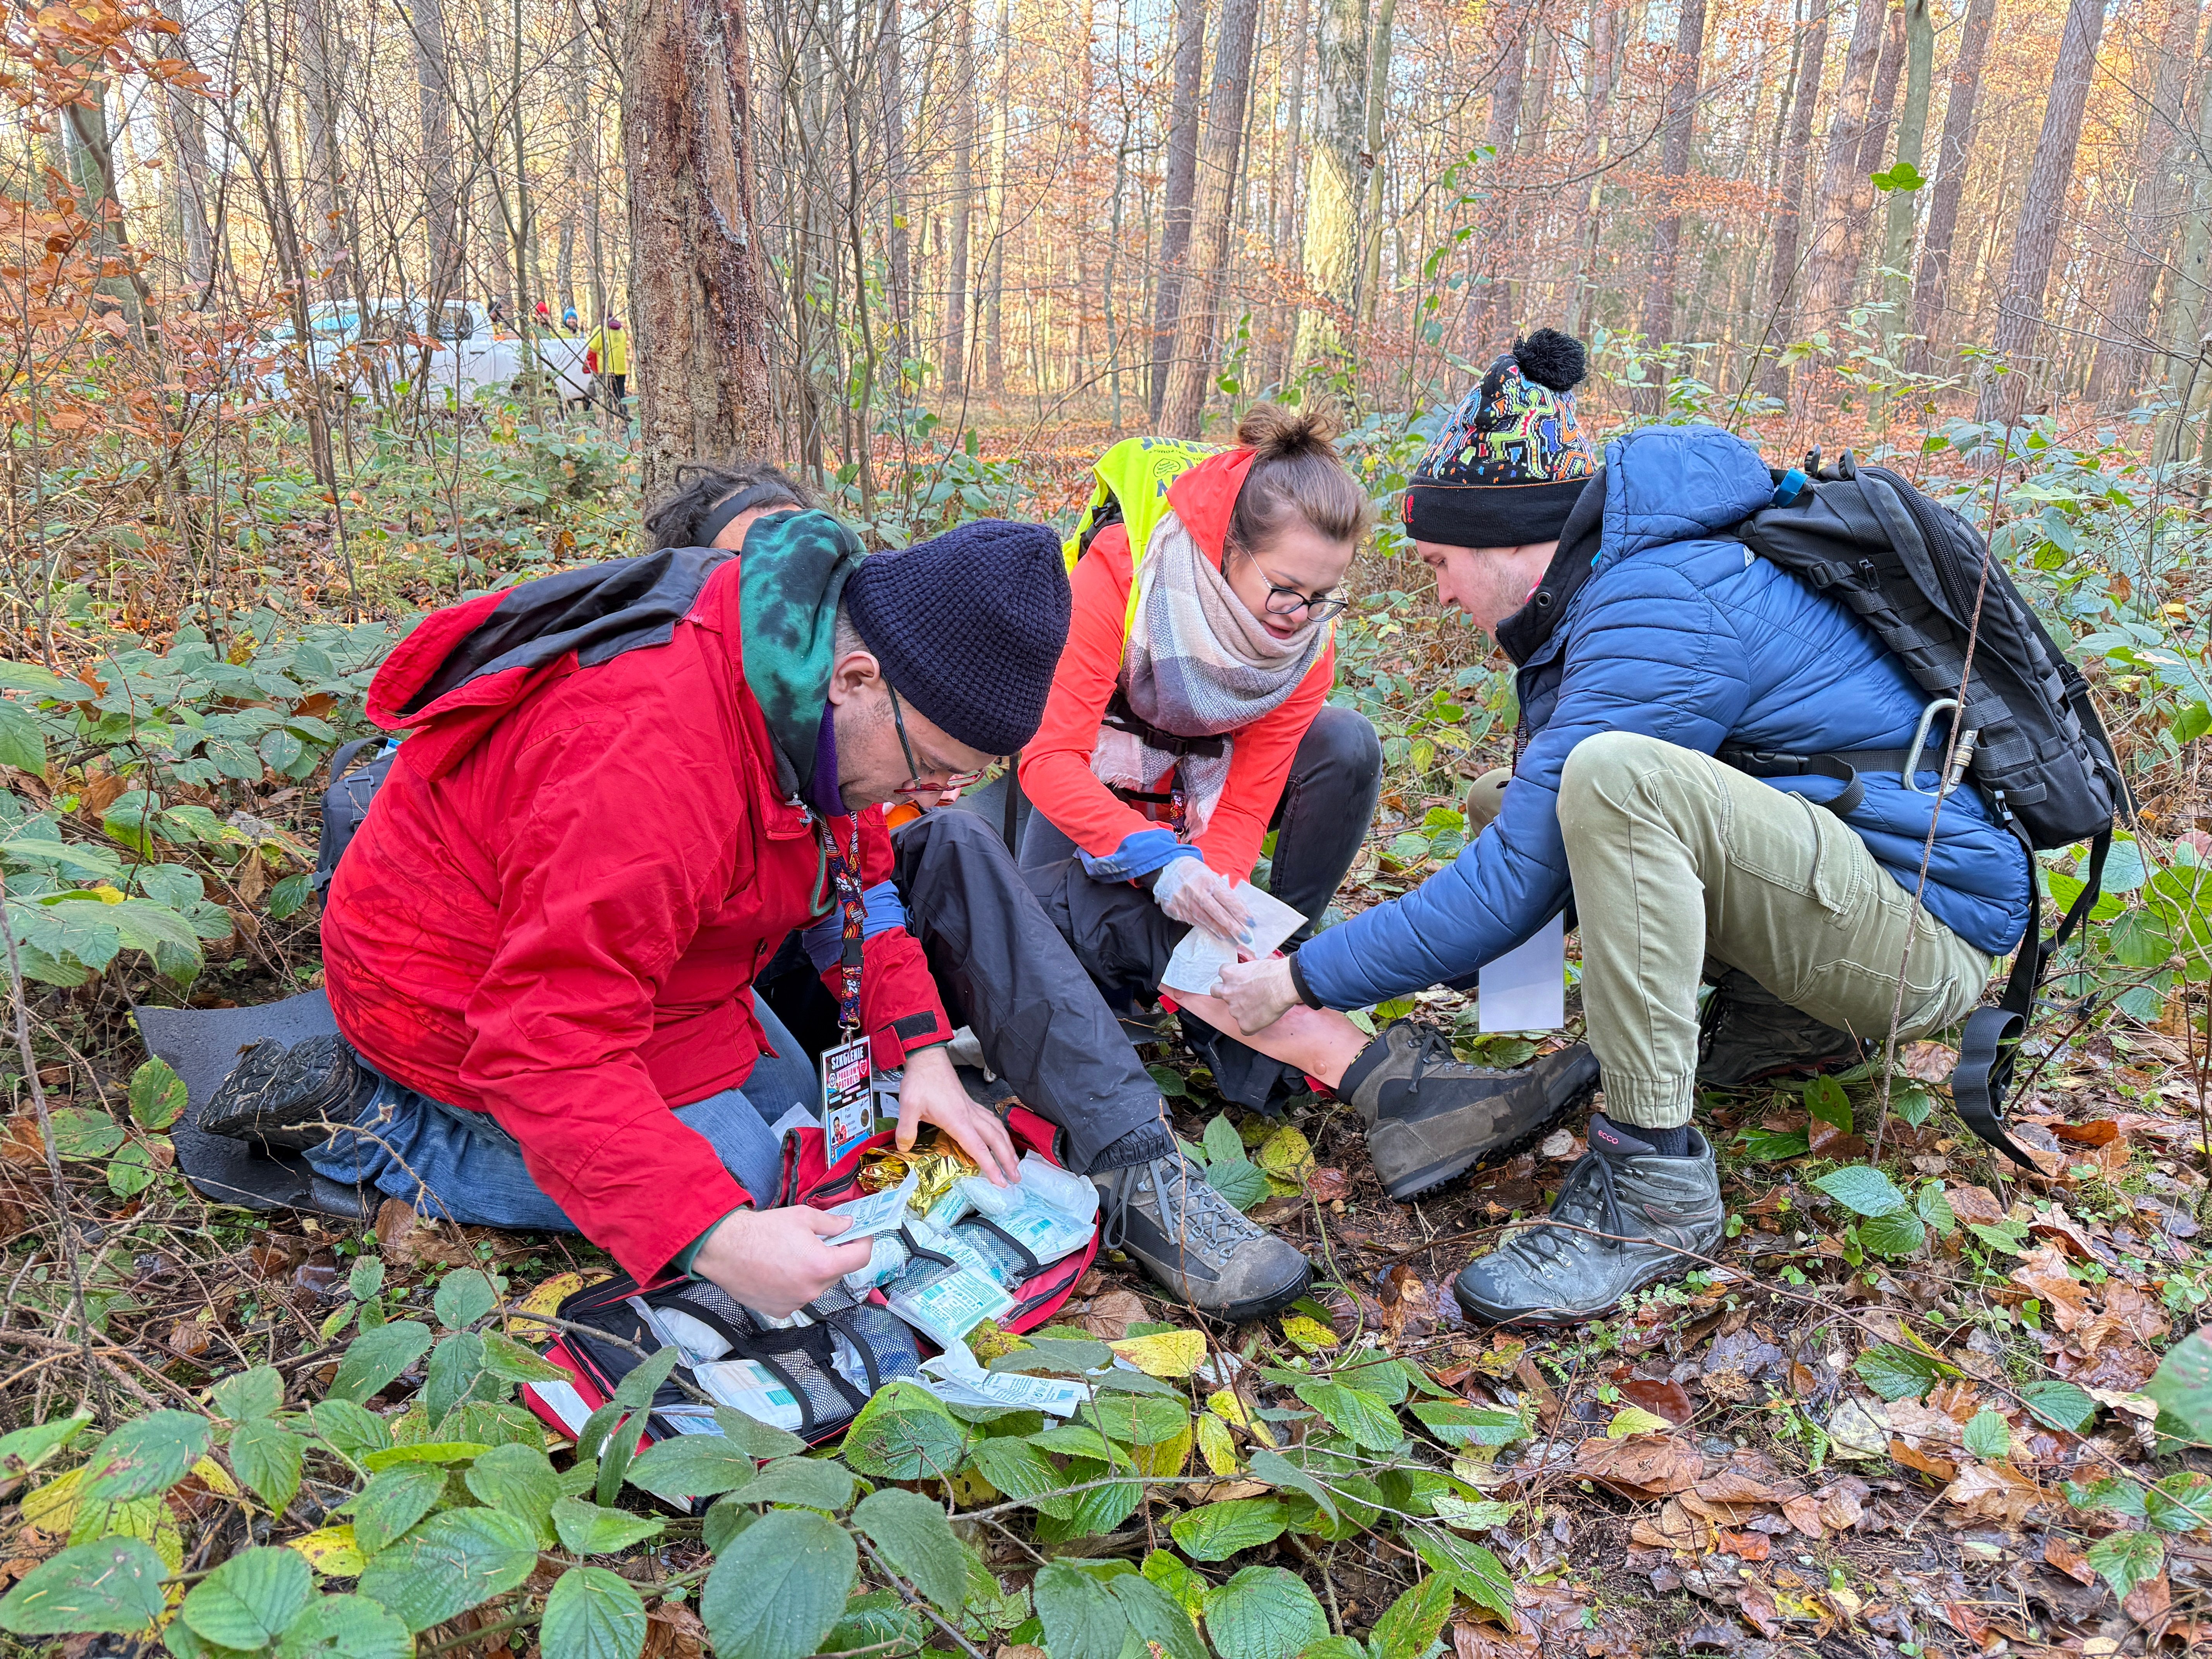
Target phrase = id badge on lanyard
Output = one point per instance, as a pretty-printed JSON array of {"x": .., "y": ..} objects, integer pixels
[{"x": 849, "y": 1101}]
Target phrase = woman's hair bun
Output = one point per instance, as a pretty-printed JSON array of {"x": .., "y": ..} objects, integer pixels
[
  {"x": 1277, "y": 432},
  {"x": 1552, "y": 359}
]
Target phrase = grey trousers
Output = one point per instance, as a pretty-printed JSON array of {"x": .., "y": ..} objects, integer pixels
[{"x": 1676, "y": 858}]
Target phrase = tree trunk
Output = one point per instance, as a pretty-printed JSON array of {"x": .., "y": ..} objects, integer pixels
[
  {"x": 1931, "y": 282},
  {"x": 962, "y": 93},
  {"x": 190, "y": 182},
  {"x": 1605, "y": 47},
  {"x": 2122, "y": 349},
  {"x": 1334, "y": 177},
  {"x": 1674, "y": 162},
  {"x": 1782, "y": 280},
  {"x": 1491, "y": 312},
  {"x": 699, "y": 352},
  {"x": 1846, "y": 193},
  {"x": 1190, "y": 365},
  {"x": 1182, "y": 189},
  {"x": 1911, "y": 138},
  {"x": 2185, "y": 305},
  {"x": 891, "y": 74},
  {"x": 329, "y": 244},
  {"x": 1378, "y": 104},
  {"x": 994, "y": 280},
  {"x": 2019, "y": 309},
  {"x": 441, "y": 204}
]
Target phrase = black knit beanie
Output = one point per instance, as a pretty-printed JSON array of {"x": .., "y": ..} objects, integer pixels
[
  {"x": 968, "y": 627},
  {"x": 1510, "y": 463}
]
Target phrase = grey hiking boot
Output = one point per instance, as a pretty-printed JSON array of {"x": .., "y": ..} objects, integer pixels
[
  {"x": 1749, "y": 1035},
  {"x": 1430, "y": 1116},
  {"x": 1197, "y": 1243},
  {"x": 1652, "y": 1208},
  {"x": 291, "y": 1100}
]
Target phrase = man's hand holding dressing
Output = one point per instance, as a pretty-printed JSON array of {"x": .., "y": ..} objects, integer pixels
[
  {"x": 931, "y": 1093},
  {"x": 1258, "y": 992},
  {"x": 777, "y": 1260},
  {"x": 1189, "y": 891}
]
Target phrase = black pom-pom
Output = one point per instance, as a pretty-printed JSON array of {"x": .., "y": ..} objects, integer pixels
[{"x": 1553, "y": 359}]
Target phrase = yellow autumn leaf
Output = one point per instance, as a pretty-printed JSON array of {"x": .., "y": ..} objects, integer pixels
[
  {"x": 1164, "y": 1457},
  {"x": 147, "y": 1519},
  {"x": 1166, "y": 1353},
  {"x": 545, "y": 1299},
  {"x": 971, "y": 1489},
  {"x": 106, "y": 893},
  {"x": 331, "y": 1551},
  {"x": 1214, "y": 1444},
  {"x": 213, "y": 1477},
  {"x": 1634, "y": 1419},
  {"x": 52, "y": 1508},
  {"x": 1229, "y": 1408},
  {"x": 1287, "y": 1155},
  {"x": 1309, "y": 1333},
  {"x": 987, "y": 1342}
]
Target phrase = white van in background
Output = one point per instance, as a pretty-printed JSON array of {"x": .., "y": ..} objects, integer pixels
[{"x": 376, "y": 349}]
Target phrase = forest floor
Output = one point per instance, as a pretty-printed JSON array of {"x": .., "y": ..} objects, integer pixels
[{"x": 1805, "y": 1446}]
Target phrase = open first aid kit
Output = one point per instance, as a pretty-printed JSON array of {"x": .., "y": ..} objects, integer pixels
[{"x": 948, "y": 1251}]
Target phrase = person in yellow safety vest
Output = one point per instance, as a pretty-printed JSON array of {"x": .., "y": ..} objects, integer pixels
[{"x": 610, "y": 344}]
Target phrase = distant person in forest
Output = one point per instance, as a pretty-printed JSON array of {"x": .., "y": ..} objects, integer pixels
[
  {"x": 568, "y": 319},
  {"x": 1647, "y": 637},
  {"x": 497, "y": 312},
  {"x": 610, "y": 345},
  {"x": 542, "y": 314}
]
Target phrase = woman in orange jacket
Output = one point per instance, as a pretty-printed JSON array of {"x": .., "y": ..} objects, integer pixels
[{"x": 1189, "y": 715}]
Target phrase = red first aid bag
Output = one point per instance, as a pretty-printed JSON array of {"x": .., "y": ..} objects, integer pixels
[{"x": 609, "y": 1332}]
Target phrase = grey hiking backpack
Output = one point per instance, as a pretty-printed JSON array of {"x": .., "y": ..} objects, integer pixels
[{"x": 2028, "y": 735}]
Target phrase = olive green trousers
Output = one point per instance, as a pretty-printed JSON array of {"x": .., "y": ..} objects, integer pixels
[{"x": 1676, "y": 859}]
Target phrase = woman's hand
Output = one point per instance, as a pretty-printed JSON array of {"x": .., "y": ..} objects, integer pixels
[
  {"x": 1258, "y": 992},
  {"x": 777, "y": 1260},
  {"x": 931, "y": 1093},
  {"x": 1188, "y": 891}
]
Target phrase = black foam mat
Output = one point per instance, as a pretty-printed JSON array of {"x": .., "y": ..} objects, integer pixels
[{"x": 201, "y": 1045}]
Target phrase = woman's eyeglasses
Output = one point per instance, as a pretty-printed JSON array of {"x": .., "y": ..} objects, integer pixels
[
  {"x": 1289, "y": 601},
  {"x": 943, "y": 784}
]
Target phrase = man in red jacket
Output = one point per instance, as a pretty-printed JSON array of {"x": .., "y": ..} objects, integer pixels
[{"x": 622, "y": 788}]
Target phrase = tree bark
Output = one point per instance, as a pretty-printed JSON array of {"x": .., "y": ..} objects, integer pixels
[
  {"x": 1492, "y": 312},
  {"x": 994, "y": 279},
  {"x": 1334, "y": 177},
  {"x": 1605, "y": 51},
  {"x": 2019, "y": 308},
  {"x": 192, "y": 182},
  {"x": 1912, "y": 140},
  {"x": 329, "y": 241},
  {"x": 699, "y": 351},
  {"x": 1182, "y": 189},
  {"x": 963, "y": 93},
  {"x": 2124, "y": 350},
  {"x": 1846, "y": 193},
  {"x": 1954, "y": 153},
  {"x": 1782, "y": 280},
  {"x": 1378, "y": 103},
  {"x": 891, "y": 74},
  {"x": 1674, "y": 162},
  {"x": 1190, "y": 365},
  {"x": 2185, "y": 306}
]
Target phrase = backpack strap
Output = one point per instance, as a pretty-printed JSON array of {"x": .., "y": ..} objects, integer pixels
[
  {"x": 1844, "y": 767},
  {"x": 1990, "y": 1046}
]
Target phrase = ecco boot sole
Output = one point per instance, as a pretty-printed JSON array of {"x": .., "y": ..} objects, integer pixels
[{"x": 1567, "y": 1089}]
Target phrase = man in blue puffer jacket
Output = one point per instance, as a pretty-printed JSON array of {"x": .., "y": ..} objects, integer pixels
[{"x": 1647, "y": 638}]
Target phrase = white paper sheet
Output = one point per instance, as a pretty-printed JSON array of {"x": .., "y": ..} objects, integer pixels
[
  {"x": 1526, "y": 989},
  {"x": 1197, "y": 960}
]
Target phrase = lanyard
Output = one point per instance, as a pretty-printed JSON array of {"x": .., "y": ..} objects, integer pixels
[{"x": 844, "y": 867}]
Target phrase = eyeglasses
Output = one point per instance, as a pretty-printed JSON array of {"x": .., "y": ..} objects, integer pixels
[
  {"x": 1289, "y": 601},
  {"x": 944, "y": 785}
]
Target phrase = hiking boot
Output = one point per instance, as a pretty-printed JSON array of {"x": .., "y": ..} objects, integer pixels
[
  {"x": 1195, "y": 1242},
  {"x": 1749, "y": 1035},
  {"x": 1429, "y": 1115},
  {"x": 1548, "y": 1275},
  {"x": 291, "y": 1100}
]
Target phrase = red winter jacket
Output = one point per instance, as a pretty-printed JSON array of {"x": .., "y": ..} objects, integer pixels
[
  {"x": 1055, "y": 767},
  {"x": 555, "y": 909}
]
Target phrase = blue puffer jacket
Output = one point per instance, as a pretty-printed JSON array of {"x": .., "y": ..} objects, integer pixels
[{"x": 1682, "y": 635}]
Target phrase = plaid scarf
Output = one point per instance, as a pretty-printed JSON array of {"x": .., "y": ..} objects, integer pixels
[{"x": 1197, "y": 664}]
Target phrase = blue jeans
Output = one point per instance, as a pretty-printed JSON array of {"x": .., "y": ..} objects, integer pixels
[{"x": 461, "y": 1165}]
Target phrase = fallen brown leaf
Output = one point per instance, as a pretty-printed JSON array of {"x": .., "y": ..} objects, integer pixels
[
  {"x": 1928, "y": 1062},
  {"x": 1975, "y": 1204},
  {"x": 1675, "y": 1528},
  {"x": 1748, "y": 1546},
  {"x": 1669, "y": 1399},
  {"x": 1111, "y": 1315},
  {"x": 1640, "y": 1465},
  {"x": 1325, "y": 1185},
  {"x": 2094, "y": 1133},
  {"x": 2061, "y": 1552},
  {"x": 2043, "y": 1273},
  {"x": 1993, "y": 1491}
]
